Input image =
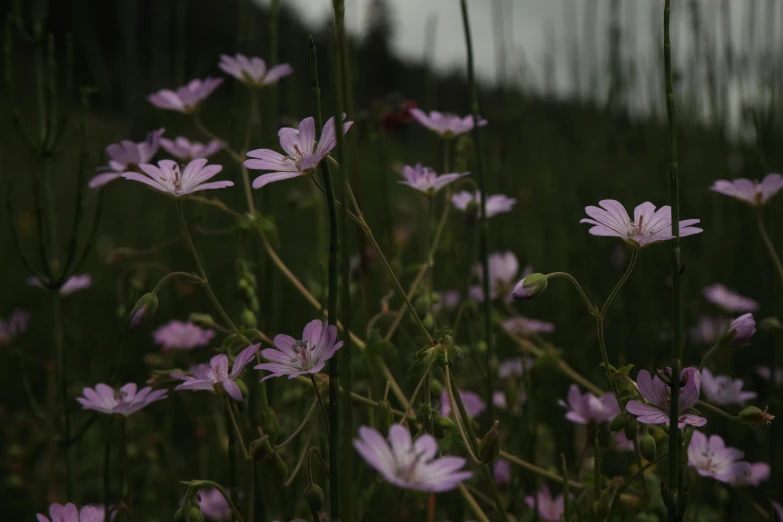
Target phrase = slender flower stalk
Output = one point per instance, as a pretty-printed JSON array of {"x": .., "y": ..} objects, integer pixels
[
  {"x": 334, "y": 248},
  {"x": 773, "y": 254},
  {"x": 675, "y": 487},
  {"x": 482, "y": 186},
  {"x": 126, "y": 467}
]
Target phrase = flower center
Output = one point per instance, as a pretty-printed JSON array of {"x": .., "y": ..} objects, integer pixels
[{"x": 305, "y": 352}]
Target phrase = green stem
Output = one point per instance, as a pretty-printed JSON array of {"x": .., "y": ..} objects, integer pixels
[
  {"x": 675, "y": 487},
  {"x": 233, "y": 422},
  {"x": 715, "y": 409},
  {"x": 541, "y": 472},
  {"x": 126, "y": 468},
  {"x": 334, "y": 248},
  {"x": 170, "y": 275},
  {"x": 629, "y": 481},
  {"x": 483, "y": 223},
  {"x": 320, "y": 403},
  {"x": 621, "y": 282},
  {"x": 424, "y": 378},
  {"x": 709, "y": 354},
  {"x": 62, "y": 377},
  {"x": 233, "y": 485},
  {"x": 566, "y": 494},
  {"x": 768, "y": 243},
  {"x": 428, "y": 262},
  {"x": 565, "y": 275}
]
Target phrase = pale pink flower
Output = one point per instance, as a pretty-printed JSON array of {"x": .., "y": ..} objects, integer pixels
[
  {"x": 711, "y": 458},
  {"x": 474, "y": 404},
  {"x": 72, "y": 284},
  {"x": 127, "y": 156},
  {"x": 15, "y": 325},
  {"x": 750, "y": 473},
  {"x": 181, "y": 335},
  {"x": 729, "y": 300},
  {"x": 501, "y": 469},
  {"x": 447, "y": 300},
  {"x": 426, "y": 180},
  {"x": 70, "y": 513},
  {"x": 743, "y": 328},
  {"x": 723, "y": 390},
  {"x": 515, "y": 367},
  {"x": 499, "y": 399},
  {"x": 168, "y": 178},
  {"x": 548, "y": 509},
  {"x": 503, "y": 274},
  {"x": 587, "y": 408},
  {"x": 252, "y": 71},
  {"x": 125, "y": 401},
  {"x": 708, "y": 329},
  {"x": 187, "y": 98},
  {"x": 647, "y": 227},
  {"x": 525, "y": 326},
  {"x": 215, "y": 376},
  {"x": 303, "y": 152},
  {"x": 496, "y": 203},
  {"x": 212, "y": 504},
  {"x": 409, "y": 464},
  {"x": 657, "y": 393},
  {"x": 754, "y": 192},
  {"x": 186, "y": 150},
  {"x": 444, "y": 124},
  {"x": 766, "y": 373},
  {"x": 294, "y": 357}
]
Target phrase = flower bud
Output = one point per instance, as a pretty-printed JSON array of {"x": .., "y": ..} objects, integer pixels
[
  {"x": 436, "y": 388},
  {"x": 769, "y": 324},
  {"x": 630, "y": 428},
  {"x": 280, "y": 468},
  {"x": 739, "y": 331},
  {"x": 618, "y": 422},
  {"x": 471, "y": 212},
  {"x": 421, "y": 305},
  {"x": 647, "y": 446},
  {"x": 194, "y": 514},
  {"x": 489, "y": 447},
  {"x": 144, "y": 310},
  {"x": 248, "y": 318},
  {"x": 754, "y": 416},
  {"x": 530, "y": 287},
  {"x": 314, "y": 496},
  {"x": 428, "y": 321},
  {"x": 268, "y": 422},
  {"x": 383, "y": 417},
  {"x": 204, "y": 320},
  {"x": 441, "y": 425}
]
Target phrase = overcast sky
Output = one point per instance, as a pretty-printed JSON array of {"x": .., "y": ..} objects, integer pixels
[{"x": 535, "y": 27}]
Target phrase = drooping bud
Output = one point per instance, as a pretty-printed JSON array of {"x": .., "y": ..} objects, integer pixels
[
  {"x": 739, "y": 332},
  {"x": 441, "y": 425},
  {"x": 618, "y": 422},
  {"x": 248, "y": 318},
  {"x": 203, "y": 320},
  {"x": 144, "y": 310},
  {"x": 754, "y": 416},
  {"x": 630, "y": 428},
  {"x": 383, "y": 417},
  {"x": 769, "y": 324},
  {"x": 489, "y": 447},
  {"x": 647, "y": 446},
  {"x": 530, "y": 287},
  {"x": 314, "y": 496}
]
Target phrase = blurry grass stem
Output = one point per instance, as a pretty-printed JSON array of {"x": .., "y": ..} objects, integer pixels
[
  {"x": 483, "y": 223},
  {"x": 773, "y": 254},
  {"x": 334, "y": 248},
  {"x": 674, "y": 495}
]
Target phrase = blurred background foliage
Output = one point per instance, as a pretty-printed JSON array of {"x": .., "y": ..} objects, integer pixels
[{"x": 554, "y": 154}]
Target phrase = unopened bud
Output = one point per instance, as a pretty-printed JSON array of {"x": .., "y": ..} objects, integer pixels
[
  {"x": 280, "y": 468},
  {"x": 428, "y": 321},
  {"x": 248, "y": 318},
  {"x": 441, "y": 425},
  {"x": 436, "y": 388},
  {"x": 769, "y": 324},
  {"x": 194, "y": 514},
  {"x": 144, "y": 310},
  {"x": 754, "y": 416},
  {"x": 421, "y": 305},
  {"x": 630, "y": 428},
  {"x": 489, "y": 447},
  {"x": 530, "y": 287},
  {"x": 647, "y": 446},
  {"x": 314, "y": 496},
  {"x": 383, "y": 417},
  {"x": 618, "y": 422},
  {"x": 739, "y": 332},
  {"x": 201, "y": 319}
]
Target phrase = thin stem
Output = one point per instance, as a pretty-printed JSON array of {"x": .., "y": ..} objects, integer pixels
[
  {"x": 719, "y": 411},
  {"x": 483, "y": 222},
  {"x": 212, "y": 136},
  {"x": 629, "y": 481},
  {"x": 621, "y": 282},
  {"x": 320, "y": 403},
  {"x": 62, "y": 377},
  {"x": 773, "y": 254},
  {"x": 300, "y": 427},
  {"x": 233, "y": 420},
  {"x": 709, "y": 354},
  {"x": 541, "y": 472},
  {"x": 429, "y": 261},
  {"x": 473, "y": 504},
  {"x": 126, "y": 468},
  {"x": 333, "y": 426},
  {"x": 468, "y": 440},
  {"x": 233, "y": 483},
  {"x": 424, "y": 378},
  {"x": 675, "y": 487},
  {"x": 199, "y": 484},
  {"x": 566, "y": 495},
  {"x": 565, "y": 275},
  {"x": 487, "y": 475},
  {"x": 599, "y": 321},
  {"x": 185, "y": 275}
]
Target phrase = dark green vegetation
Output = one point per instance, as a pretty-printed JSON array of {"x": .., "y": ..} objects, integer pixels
[{"x": 554, "y": 156}]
